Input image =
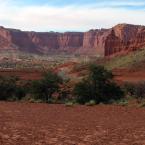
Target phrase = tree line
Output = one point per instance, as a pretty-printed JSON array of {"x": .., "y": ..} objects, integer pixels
[{"x": 97, "y": 87}]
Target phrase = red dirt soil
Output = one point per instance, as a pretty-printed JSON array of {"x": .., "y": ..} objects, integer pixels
[
  {"x": 26, "y": 74},
  {"x": 43, "y": 124},
  {"x": 121, "y": 75},
  {"x": 126, "y": 75}
]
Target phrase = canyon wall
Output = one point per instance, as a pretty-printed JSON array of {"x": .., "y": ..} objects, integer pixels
[{"x": 122, "y": 38}]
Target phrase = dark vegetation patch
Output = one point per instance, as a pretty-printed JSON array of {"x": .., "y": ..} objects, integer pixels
[{"x": 96, "y": 87}]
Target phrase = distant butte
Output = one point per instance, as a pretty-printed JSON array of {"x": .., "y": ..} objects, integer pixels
[{"x": 122, "y": 38}]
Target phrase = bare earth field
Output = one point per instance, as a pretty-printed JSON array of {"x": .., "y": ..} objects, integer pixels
[{"x": 43, "y": 124}]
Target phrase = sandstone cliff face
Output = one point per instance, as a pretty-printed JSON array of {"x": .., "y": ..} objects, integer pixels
[
  {"x": 43, "y": 42},
  {"x": 124, "y": 38},
  {"x": 105, "y": 42},
  {"x": 6, "y": 40}
]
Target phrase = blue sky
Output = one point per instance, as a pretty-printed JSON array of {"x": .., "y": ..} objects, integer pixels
[
  {"x": 77, "y": 2},
  {"x": 70, "y": 15},
  {"x": 104, "y": 3}
]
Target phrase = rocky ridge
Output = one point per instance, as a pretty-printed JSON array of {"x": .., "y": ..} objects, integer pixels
[{"x": 120, "y": 39}]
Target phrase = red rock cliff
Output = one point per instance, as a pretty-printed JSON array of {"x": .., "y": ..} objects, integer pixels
[
  {"x": 105, "y": 42},
  {"x": 124, "y": 38}
]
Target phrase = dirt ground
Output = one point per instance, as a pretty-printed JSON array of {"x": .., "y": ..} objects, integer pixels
[
  {"x": 43, "y": 124},
  {"x": 26, "y": 74},
  {"x": 121, "y": 75},
  {"x": 126, "y": 75}
]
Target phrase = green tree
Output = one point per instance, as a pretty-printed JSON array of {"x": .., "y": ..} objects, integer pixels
[
  {"x": 7, "y": 87},
  {"x": 98, "y": 86},
  {"x": 83, "y": 91},
  {"x": 20, "y": 92},
  {"x": 44, "y": 88}
]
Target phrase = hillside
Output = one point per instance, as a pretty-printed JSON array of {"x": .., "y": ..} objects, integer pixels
[
  {"x": 126, "y": 68},
  {"x": 133, "y": 61}
]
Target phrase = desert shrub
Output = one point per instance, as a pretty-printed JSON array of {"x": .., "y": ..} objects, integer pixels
[
  {"x": 140, "y": 90},
  {"x": 129, "y": 89},
  {"x": 112, "y": 92},
  {"x": 65, "y": 91},
  {"x": 7, "y": 87},
  {"x": 83, "y": 92},
  {"x": 136, "y": 90},
  {"x": 122, "y": 102},
  {"x": 142, "y": 104},
  {"x": 64, "y": 76},
  {"x": 90, "y": 103},
  {"x": 10, "y": 89},
  {"x": 37, "y": 89},
  {"x": 20, "y": 92},
  {"x": 98, "y": 86},
  {"x": 69, "y": 104},
  {"x": 44, "y": 88}
]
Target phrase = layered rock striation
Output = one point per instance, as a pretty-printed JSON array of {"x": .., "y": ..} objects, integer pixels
[{"x": 122, "y": 38}]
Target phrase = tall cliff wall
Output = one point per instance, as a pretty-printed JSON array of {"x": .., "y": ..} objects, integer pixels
[{"x": 105, "y": 42}]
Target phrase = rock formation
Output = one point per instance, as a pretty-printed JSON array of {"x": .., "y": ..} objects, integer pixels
[{"x": 104, "y": 42}]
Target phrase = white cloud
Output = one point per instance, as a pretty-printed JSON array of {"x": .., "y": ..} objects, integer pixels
[{"x": 68, "y": 18}]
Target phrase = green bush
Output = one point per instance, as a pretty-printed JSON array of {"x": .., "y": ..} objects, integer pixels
[
  {"x": 140, "y": 90},
  {"x": 129, "y": 89},
  {"x": 43, "y": 89},
  {"x": 122, "y": 102},
  {"x": 98, "y": 86},
  {"x": 7, "y": 87},
  {"x": 20, "y": 92},
  {"x": 10, "y": 90},
  {"x": 83, "y": 92},
  {"x": 136, "y": 90}
]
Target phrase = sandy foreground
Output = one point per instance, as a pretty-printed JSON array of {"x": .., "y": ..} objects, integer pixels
[{"x": 43, "y": 124}]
